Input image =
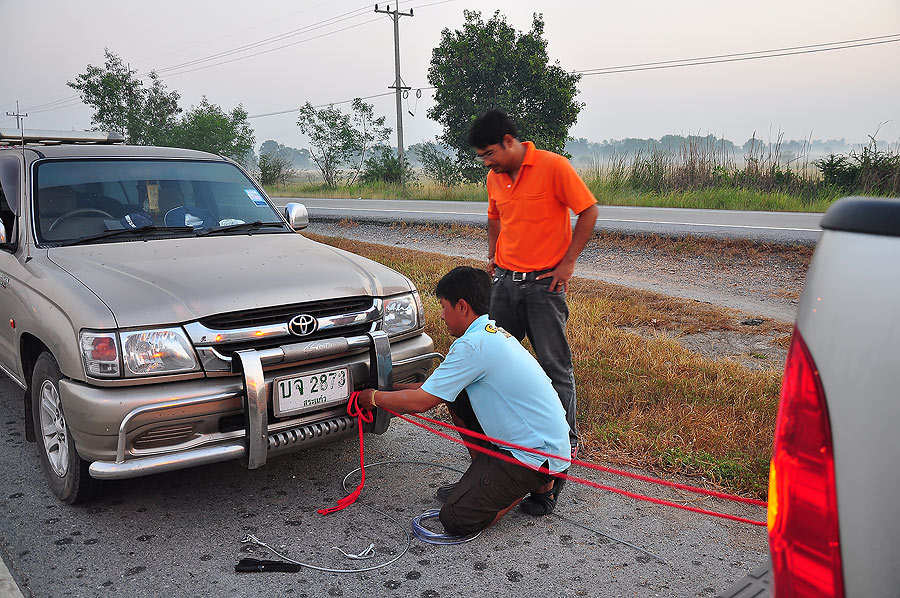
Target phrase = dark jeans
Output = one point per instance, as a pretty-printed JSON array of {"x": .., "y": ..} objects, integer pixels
[
  {"x": 530, "y": 308},
  {"x": 489, "y": 485}
]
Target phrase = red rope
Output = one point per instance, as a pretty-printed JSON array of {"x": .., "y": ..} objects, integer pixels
[
  {"x": 361, "y": 416},
  {"x": 579, "y": 480},
  {"x": 353, "y": 410},
  {"x": 636, "y": 476}
]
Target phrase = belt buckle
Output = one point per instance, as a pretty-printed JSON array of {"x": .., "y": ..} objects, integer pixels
[{"x": 519, "y": 276}]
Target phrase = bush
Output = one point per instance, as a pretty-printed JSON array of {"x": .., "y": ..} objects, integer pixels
[
  {"x": 869, "y": 171},
  {"x": 274, "y": 169},
  {"x": 384, "y": 167},
  {"x": 439, "y": 166}
]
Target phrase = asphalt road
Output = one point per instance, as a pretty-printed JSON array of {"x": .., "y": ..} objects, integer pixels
[
  {"x": 779, "y": 227},
  {"x": 179, "y": 533}
]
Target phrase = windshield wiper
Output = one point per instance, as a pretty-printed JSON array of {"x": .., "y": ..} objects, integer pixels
[
  {"x": 140, "y": 231},
  {"x": 243, "y": 226}
]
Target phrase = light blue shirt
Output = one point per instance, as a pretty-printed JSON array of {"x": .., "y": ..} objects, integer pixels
[{"x": 510, "y": 394}]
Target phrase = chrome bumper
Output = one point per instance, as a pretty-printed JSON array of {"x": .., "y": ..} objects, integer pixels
[{"x": 258, "y": 440}]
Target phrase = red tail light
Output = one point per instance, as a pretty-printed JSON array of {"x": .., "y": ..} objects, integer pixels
[{"x": 803, "y": 519}]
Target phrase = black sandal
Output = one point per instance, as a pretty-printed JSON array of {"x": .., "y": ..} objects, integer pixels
[{"x": 542, "y": 503}]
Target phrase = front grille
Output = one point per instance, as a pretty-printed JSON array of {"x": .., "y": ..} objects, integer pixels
[
  {"x": 284, "y": 313},
  {"x": 166, "y": 436},
  {"x": 358, "y": 329}
]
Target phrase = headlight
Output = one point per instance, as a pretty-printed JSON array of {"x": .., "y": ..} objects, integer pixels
[
  {"x": 162, "y": 351},
  {"x": 100, "y": 353},
  {"x": 401, "y": 313}
]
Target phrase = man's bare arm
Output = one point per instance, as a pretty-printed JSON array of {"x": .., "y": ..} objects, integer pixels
[
  {"x": 399, "y": 401},
  {"x": 584, "y": 228},
  {"x": 493, "y": 235}
]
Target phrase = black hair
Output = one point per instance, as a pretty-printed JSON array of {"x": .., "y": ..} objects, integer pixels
[
  {"x": 489, "y": 128},
  {"x": 466, "y": 282}
]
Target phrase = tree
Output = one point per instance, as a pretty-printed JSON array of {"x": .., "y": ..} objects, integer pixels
[
  {"x": 339, "y": 141},
  {"x": 273, "y": 169},
  {"x": 298, "y": 158},
  {"x": 209, "y": 128},
  {"x": 491, "y": 65},
  {"x": 438, "y": 165},
  {"x": 384, "y": 167},
  {"x": 123, "y": 103}
]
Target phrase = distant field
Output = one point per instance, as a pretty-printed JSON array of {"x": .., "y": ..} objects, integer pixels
[
  {"x": 723, "y": 198},
  {"x": 697, "y": 176}
]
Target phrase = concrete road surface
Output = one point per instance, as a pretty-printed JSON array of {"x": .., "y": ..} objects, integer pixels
[
  {"x": 779, "y": 227},
  {"x": 179, "y": 533}
]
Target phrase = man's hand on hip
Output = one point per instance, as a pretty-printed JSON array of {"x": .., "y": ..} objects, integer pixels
[{"x": 561, "y": 275}]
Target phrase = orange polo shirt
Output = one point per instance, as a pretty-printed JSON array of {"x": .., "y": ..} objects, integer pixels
[{"x": 533, "y": 210}]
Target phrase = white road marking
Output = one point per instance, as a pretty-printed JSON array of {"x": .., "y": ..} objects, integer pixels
[
  {"x": 8, "y": 587},
  {"x": 787, "y": 228}
]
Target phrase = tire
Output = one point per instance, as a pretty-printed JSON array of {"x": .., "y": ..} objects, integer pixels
[{"x": 66, "y": 472}]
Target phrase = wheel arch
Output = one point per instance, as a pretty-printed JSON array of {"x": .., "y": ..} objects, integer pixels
[{"x": 30, "y": 348}]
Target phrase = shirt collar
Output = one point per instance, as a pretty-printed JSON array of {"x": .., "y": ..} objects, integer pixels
[
  {"x": 478, "y": 322},
  {"x": 528, "y": 160}
]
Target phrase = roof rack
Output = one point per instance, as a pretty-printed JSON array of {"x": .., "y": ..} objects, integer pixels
[{"x": 36, "y": 136}]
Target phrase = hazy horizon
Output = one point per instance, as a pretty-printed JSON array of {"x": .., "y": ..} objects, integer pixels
[{"x": 347, "y": 52}]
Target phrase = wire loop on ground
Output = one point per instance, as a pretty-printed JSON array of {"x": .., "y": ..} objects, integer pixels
[{"x": 430, "y": 537}]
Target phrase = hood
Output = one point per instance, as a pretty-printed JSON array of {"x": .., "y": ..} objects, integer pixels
[{"x": 172, "y": 281}]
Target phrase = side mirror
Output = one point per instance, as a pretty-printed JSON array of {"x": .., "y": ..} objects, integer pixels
[{"x": 296, "y": 215}]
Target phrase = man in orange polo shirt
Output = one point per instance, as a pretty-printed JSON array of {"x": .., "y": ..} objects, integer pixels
[{"x": 531, "y": 246}]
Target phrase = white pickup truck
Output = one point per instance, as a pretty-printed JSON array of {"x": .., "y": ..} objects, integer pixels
[{"x": 834, "y": 530}]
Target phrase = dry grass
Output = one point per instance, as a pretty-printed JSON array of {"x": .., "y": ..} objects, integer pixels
[{"x": 644, "y": 400}]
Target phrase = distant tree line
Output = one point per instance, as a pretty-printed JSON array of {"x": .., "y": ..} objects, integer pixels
[
  {"x": 147, "y": 113},
  {"x": 584, "y": 151}
]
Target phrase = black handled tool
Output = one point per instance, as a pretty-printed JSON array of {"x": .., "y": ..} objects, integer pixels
[{"x": 255, "y": 565}]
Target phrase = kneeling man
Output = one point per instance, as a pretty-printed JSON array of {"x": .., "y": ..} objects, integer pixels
[{"x": 493, "y": 385}]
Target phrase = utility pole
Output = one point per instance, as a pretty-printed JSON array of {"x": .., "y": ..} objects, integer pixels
[
  {"x": 20, "y": 122},
  {"x": 19, "y": 116},
  {"x": 398, "y": 83}
]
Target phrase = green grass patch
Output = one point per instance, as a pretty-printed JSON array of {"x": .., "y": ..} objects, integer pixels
[{"x": 719, "y": 198}]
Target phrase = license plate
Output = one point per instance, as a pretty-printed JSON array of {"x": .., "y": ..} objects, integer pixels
[{"x": 296, "y": 394}]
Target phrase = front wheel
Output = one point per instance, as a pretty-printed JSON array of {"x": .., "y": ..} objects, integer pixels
[{"x": 66, "y": 472}]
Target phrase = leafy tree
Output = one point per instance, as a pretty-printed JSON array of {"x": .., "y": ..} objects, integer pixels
[
  {"x": 340, "y": 141},
  {"x": 488, "y": 64},
  {"x": 384, "y": 166},
  {"x": 438, "y": 165},
  {"x": 298, "y": 158},
  {"x": 123, "y": 103},
  {"x": 274, "y": 168},
  {"x": 209, "y": 128}
]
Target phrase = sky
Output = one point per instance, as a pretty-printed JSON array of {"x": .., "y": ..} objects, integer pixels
[{"x": 330, "y": 51}]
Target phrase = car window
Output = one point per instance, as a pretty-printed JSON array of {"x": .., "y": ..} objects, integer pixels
[
  {"x": 86, "y": 198},
  {"x": 9, "y": 194}
]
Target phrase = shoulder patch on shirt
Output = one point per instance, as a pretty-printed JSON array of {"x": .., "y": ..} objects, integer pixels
[{"x": 495, "y": 329}]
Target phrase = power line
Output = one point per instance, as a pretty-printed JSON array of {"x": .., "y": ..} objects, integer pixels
[
  {"x": 263, "y": 24},
  {"x": 56, "y": 104},
  {"x": 738, "y": 57},
  {"x": 269, "y": 40},
  {"x": 687, "y": 62},
  {"x": 377, "y": 95},
  {"x": 74, "y": 100},
  {"x": 320, "y": 25}
]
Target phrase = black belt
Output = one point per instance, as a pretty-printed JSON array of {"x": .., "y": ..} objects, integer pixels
[{"x": 523, "y": 276}]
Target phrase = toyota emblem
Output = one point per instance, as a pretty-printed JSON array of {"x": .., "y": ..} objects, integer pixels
[{"x": 303, "y": 325}]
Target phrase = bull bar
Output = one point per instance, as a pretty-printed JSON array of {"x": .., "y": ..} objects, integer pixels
[{"x": 258, "y": 438}]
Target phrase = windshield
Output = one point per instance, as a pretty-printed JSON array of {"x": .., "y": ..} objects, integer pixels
[{"x": 85, "y": 199}]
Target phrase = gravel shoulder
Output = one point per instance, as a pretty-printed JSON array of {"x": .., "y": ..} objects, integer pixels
[{"x": 753, "y": 283}]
